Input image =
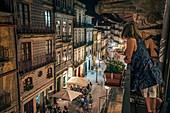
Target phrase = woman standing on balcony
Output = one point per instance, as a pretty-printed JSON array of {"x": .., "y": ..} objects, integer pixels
[{"x": 145, "y": 75}]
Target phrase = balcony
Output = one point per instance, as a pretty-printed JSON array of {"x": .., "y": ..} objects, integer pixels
[
  {"x": 4, "y": 54},
  {"x": 5, "y": 101},
  {"x": 77, "y": 45},
  {"x": 89, "y": 25},
  {"x": 6, "y": 6},
  {"x": 63, "y": 65},
  {"x": 34, "y": 29},
  {"x": 79, "y": 25},
  {"x": 76, "y": 64},
  {"x": 67, "y": 38},
  {"x": 37, "y": 62},
  {"x": 68, "y": 11},
  {"x": 90, "y": 43}
]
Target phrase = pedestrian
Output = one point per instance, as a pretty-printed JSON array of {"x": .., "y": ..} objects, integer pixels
[{"x": 145, "y": 75}]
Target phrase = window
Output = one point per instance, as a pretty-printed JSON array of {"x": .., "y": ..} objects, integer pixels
[
  {"x": 26, "y": 51},
  {"x": 64, "y": 56},
  {"x": 79, "y": 37},
  {"x": 80, "y": 17},
  {"x": 58, "y": 3},
  {"x": 82, "y": 38},
  {"x": 58, "y": 58},
  {"x": 28, "y": 84},
  {"x": 47, "y": 18},
  {"x": 69, "y": 54},
  {"x": 69, "y": 29},
  {"x": 24, "y": 14},
  {"x": 49, "y": 73},
  {"x": 48, "y": 46},
  {"x": 58, "y": 26},
  {"x": 64, "y": 27},
  {"x": 75, "y": 36}
]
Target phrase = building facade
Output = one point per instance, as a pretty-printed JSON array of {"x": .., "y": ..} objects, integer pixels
[
  {"x": 8, "y": 61},
  {"x": 64, "y": 13},
  {"x": 79, "y": 42},
  {"x": 89, "y": 45},
  {"x": 35, "y": 35}
]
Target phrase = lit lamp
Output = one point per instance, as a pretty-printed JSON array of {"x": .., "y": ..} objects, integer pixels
[
  {"x": 97, "y": 61},
  {"x": 106, "y": 87},
  {"x": 64, "y": 58}
]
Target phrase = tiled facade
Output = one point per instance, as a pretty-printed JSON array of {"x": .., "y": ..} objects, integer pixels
[
  {"x": 79, "y": 43},
  {"x": 35, "y": 35},
  {"x": 8, "y": 64},
  {"x": 64, "y": 13}
]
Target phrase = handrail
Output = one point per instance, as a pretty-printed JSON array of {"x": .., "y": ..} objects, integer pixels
[{"x": 126, "y": 97}]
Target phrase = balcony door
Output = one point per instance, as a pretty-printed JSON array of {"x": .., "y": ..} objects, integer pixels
[{"x": 28, "y": 107}]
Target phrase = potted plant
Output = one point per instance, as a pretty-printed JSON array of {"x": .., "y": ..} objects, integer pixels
[{"x": 114, "y": 72}]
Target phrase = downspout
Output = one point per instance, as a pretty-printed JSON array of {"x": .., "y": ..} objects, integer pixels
[
  {"x": 164, "y": 49},
  {"x": 54, "y": 43},
  {"x": 16, "y": 54}
]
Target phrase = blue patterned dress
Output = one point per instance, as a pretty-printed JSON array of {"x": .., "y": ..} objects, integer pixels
[{"x": 144, "y": 72}]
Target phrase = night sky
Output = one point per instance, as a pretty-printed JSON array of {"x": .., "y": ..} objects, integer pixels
[{"x": 90, "y": 5}]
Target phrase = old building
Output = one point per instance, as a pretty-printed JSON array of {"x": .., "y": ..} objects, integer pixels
[
  {"x": 63, "y": 13},
  {"x": 35, "y": 35},
  {"x": 89, "y": 44},
  {"x": 9, "y": 102},
  {"x": 79, "y": 42}
]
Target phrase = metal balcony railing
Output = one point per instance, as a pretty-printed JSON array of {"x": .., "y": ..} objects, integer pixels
[
  {"x": 90, "y": 43},
  {"x": 76, "y": 64},
  {"x": 63, "y": 10},
  {"x": 4, "y": 54},
  {"x": 38, "y": 61},
  {"x": 5, "y": 101},
  {"x": 79, "y": 24},
  {"x": 76, "y": 45},
  {"x": 34, "y": 29},
  {"x": 63, "y": 65}
]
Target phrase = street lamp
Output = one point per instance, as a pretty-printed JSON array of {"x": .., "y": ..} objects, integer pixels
[
  {"x": 106, "y": 87},
  {"x": 97, "y": 61}
]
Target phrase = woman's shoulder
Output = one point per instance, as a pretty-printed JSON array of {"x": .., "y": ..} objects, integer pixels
[{"x": 131, "y": 40}]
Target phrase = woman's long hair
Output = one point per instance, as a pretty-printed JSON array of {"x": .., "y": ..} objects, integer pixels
[{"x": 130, "y": 30}]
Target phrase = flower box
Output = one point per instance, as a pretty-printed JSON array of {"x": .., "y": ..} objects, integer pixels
[{"x": 114, "y": 73}]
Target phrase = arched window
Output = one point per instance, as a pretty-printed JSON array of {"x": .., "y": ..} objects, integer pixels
[{"x": 28, "y": 84}]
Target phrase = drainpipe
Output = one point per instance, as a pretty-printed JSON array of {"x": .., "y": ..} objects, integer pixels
[
  {"x": 164, "y": 49},
  {"x": 16, "y": 55},
  {"x": 54, "y": 39}
]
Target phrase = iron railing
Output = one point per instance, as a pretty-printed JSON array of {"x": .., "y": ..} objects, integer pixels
[
  {"x": 63, "y": 65},
  {"x": 89, "y": 43},
  {"x": 38, "y": 61},
  {"x": 63, "y": 10},
  {"x": 34, "y": 29},
  {"x": 5, "y": 101},
  {"x": 76, "y": 45},
  {"x": 76, "y": 64}
]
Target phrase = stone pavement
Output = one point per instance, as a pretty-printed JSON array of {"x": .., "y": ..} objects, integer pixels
[
  {"x": 116, "y": 100},
  {"x": 98, "y": 90}
]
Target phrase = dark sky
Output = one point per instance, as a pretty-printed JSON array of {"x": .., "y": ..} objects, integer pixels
[{"x": 90, "y": 5}]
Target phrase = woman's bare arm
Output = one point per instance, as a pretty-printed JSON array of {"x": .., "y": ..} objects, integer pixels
[{"x": 129, "y": 50}]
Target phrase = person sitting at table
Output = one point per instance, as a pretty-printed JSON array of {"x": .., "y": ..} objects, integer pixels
[{"x": 78, "y": 88}]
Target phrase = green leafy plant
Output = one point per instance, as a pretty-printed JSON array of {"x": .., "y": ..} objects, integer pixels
[
  {"x": 115, "y": 67},
  {"x": 28, "y": 88}
]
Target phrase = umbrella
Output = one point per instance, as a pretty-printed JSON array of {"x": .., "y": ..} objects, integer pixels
[
  {"x": 67, "y": 94},
  {"x": 81, "y": 81}
]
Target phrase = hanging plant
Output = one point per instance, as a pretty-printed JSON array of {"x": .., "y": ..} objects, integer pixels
[{"x": 40, "y": 73}]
